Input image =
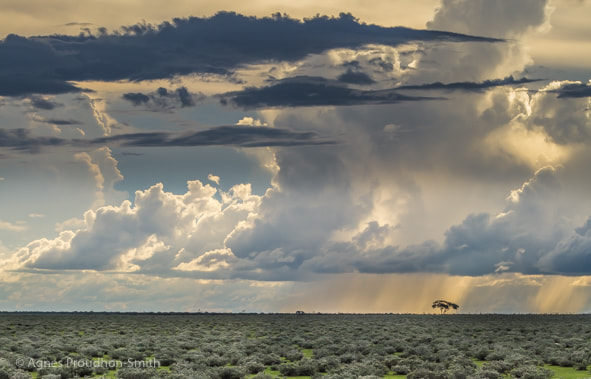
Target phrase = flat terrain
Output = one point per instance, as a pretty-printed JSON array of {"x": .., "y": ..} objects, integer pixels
[{"x": 114, "y": 345}]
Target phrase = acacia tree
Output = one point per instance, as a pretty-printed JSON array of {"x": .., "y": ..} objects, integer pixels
[{"x": 444, "y": 305}]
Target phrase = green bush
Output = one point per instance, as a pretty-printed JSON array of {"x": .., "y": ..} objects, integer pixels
[
  {"x": 531, "y": 372},
  {"x": 424, "y": 373},
  {"x": 326, "y": 364},
  {"x": 305, "y": 367},
  {"x": 231, "y": 373},
  {"x": 253, "y": 367}
]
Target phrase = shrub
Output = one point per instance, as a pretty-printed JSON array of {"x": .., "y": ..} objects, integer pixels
[
  {"x": 253, "y": 367},
  {"x": 231, "y": 372},
  {"x": 565, "y": 362},
  {"x": 348, "y": 358},
  {"x": 459, "y": 373},
  {"x": 92, "y": 351},
  {"x": 401, "y": 369},
  {"x": 216, "y": 361},
  {"x": 306, "y": 367},
  {"x": 100, "y": 370},
  {"x": 84, "y": 368},
  {"x": 166, "y": 357},
  {"x": 326, "y": 364},
  {"x": 271, "y": 359},
  {"x": 125, "y": 354},
  {"x": 62, "y": 371},
  {"x": 423, "y": 373},
  {"x": 580, "y": 366},
  {"x": 135, "y": 373},
  {"x": 294, "y": 355},
  {"x": 484, "y": 373},
  {"x": 495, "y": 356},
  {"x": 531, "y": 372},
  {"x": 481, "y": 354},
  {"x": 501, "y": 367}
]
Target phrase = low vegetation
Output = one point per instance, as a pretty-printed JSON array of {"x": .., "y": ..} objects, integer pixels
[{"x": 227, "y": 346}]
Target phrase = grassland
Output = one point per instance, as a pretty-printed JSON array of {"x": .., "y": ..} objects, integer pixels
[{"x": 226, "y": 346}]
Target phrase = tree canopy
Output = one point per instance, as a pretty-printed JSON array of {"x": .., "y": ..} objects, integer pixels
[{"x": 444, "y": 305}]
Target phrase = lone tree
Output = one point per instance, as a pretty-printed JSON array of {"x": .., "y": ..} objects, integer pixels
[{"x": 444, "y": 305}]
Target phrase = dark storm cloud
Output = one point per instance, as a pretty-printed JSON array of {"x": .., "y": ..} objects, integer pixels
[
  {"x": 28, "y": 83},
  {"x": 470, "y": 86},
  {"x": 55, "y": 121},
  {"x": 136, "y": 98},
  {"x": 62, "y": 122},
  {"x": 231, "y": 135},
  {"x": 574, "y": 90},
  {"x": 78, "y": 24},
  {"x": 164, "y": 99},
  {"x": 218, "y": 44},
  {"x": 185, "y": 97},
  {"x": 355, "y": 77},
  {"x": 305, "y": 91},
  {"x": 22, "y": 139},
  {"x": 41, "y": 103}
]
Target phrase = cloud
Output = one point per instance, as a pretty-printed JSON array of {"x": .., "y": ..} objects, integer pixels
[
  {"x": 41, "y": 102},
  {"x": 292, "y": 234},
  {"x": 156, "y": 233},
  {"x": 404, "y": 190},
  {"x": 513, "y": 21},
  {"x": 58, "y": 122},
  {"x": 54, "y": 121},
  {"x": 214, "y": 178},
  {"x": 311, "y": 91},
  {"x": 4, "y": 225},
  {"x": 501, "y": 19},
  {"x": 483, "y": 243},
  {"x": 23, "y": 140},
  {"x": 227, "y": 135},
  {"x": 230, "y": 135},
  {"x": 104, "y": 291},
  {"x": 163, "y": 99},
  {"x": 220, "y": 44},
  {"x": 574, "y": 90},
  {"x": 355, "y": 77},
  {"x": 250, "y": 121},
  {"x": 136, "y": 98},
  {"x": 101, "y": 116},
  {"x": 564, "y": 118},
  {"x": 470, "y": 86},
  {"x": 78, "y": 24},
  {"x": 14, "y": 84},
  {"x": 103, "y": 168}
]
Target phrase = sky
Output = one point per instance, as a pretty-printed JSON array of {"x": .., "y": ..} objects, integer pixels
[{"x": 348, "y": 156}]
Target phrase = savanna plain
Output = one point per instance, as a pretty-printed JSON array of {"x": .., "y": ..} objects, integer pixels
[{"x": 208, "y": 345}]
